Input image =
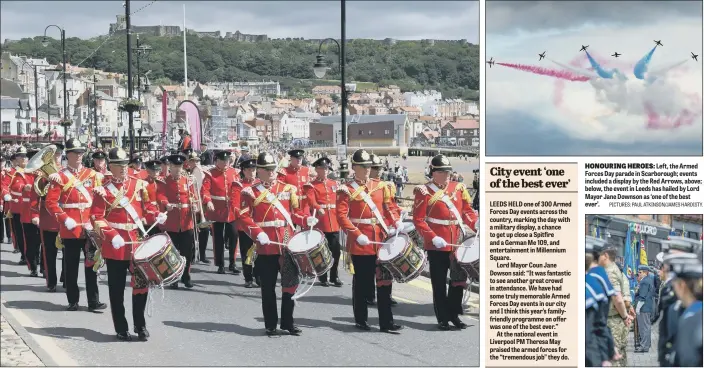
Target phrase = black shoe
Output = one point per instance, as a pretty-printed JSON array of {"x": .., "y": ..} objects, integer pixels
[
  {"x": 337, "y": 283},
  {"x": 124, "y": 336},
  {"x": 21, "y": 262},
  {"x": 51, "y": 289},
  {"x": 63, "y": 285},
  {"x": 61, "y": 279},
  {"x": 371, "y": 302},
  {"x": 97, "y": 306},
  {"x": 444, "y": 326},
  {"x": 249, "y": 284},
  {"x": 188, "y": 284},
  {"x": 459, "y": 324},
  {"x": 324, "y": 283},
  {"x": 221, "y": 270},
  {"x": 142, "y": 333},
  {"x": 294, "y": 331},
  {"x": 394, "y": 328},
  {"x": 393, "y": 301},
  {"x": 231, "y": 267},
  {"x": 174, "y": 286},
  {"x": 272, "y": 332},
  {"x": 15, "y": 251},
  {"x": 235, "y": 271},
  {"x": 204, "y": 261},
  {"x": 72, "y": 307},
  {"x": 33, "y": 273},
  {"x": 258, "y": 281},
  {"x": 362, "y": 326}
]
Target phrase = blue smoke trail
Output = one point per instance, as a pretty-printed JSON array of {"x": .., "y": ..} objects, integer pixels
[
  {"x": 642, "y": 66},
  {"x": 599, "y": 70}
]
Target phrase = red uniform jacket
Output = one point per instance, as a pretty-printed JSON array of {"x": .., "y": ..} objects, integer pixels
[
  {"x": 111, "y": 219},
  {"x": 7, "y": 175},
  {"x": 351, "y": 206},
  {"x": 186, "y": 143},
  {"x": 151, "y": 191},
  {"x": 20, "y": 195},
  {"x": 47, "y": 221},
  {"x": 320, "y": 194},
  {"x": 235, "y": 198},
  {"x": 297, "y": 178},
  {"x": 174, "y": 197},
  {"x": 432, "y": 217},
  {"x": 259, "y": 215},
  {"x": 64, "y": 200},
  {"x": 393, "y": 206},
  {"x": 139, "y": 174},
  {"x": 215, "y": 189}
]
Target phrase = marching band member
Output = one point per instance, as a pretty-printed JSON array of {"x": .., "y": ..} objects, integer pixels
[
  {"x": 216, "y": 185},
  {"x": 375, "y": 173},
  {"x": 441, "y": 210},
  {"x": 22, "y": 184},
  {"x": 269, "y": 211},
  {"x": 321, "y": 196},
  {"x": 119, "y": 211},
  {"x": 164, "y": 166},
  {"x": 12, "y": 198},
  {"x": 296, "y": 175},
  {"x": 175, "y": 197},
  {"x": 48, "y": 225},
  {"x": 194, "y": 161},
  {"x": 99, "y": 164},
  {"x": 247, "y": 179},
  {"x": 68, "y": 199},
  {"x": 136, "y": 168},
  {"x": 360, "y": 204},
  {"x": 153, "y": 168}
]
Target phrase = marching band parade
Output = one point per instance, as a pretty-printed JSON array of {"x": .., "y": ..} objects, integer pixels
[{"x": 151, "y": 220}]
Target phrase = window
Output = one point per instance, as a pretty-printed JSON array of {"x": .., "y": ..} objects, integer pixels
[
  {"x": 5, "y": 128},
  {"x": 692, "y": 235},
  {"x": 386, "y": 132},
  {"x": 29, "y": 128},
  {"x": 20, "y": 129}
]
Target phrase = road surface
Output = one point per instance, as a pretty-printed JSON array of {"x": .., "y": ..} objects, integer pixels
[{"x": 219, "y": 322}]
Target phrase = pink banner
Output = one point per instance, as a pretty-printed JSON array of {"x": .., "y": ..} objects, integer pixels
[{"x": 193, "y": 118}]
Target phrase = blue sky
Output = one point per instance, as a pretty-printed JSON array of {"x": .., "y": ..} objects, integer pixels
[{"x": 522, "y": 116}]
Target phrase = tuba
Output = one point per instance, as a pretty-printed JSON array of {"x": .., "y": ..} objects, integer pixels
[{"x": 42, "y": 164}]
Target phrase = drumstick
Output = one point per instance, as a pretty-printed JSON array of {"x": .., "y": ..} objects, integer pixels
[
  {"x": 277, "y": 243},
  {"x": 459, "y": 246}
]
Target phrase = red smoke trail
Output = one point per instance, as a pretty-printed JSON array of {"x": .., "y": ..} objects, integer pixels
[{"x": 560, "y": 74}]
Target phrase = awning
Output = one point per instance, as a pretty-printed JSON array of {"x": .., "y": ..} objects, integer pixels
[{"x": 650, "y": 228}]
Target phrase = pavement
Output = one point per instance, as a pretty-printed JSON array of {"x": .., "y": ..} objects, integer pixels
[
  {"x": 14, "y": 352},
  {"x": 219, "y": 322},
  {"x": 648, "y": 359}
]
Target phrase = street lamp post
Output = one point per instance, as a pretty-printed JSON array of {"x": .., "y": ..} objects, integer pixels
[
  {"x": 45, "y": 42},
  {"x": 320, "y": 68},
  {"x": 130, "y": 113},
  {"x": 141, "y": 50},
  {"x": 95, "y": 110},
  {"x": 36, "y": 94}
]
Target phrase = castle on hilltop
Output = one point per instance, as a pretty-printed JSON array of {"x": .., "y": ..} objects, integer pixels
[{"x": 169, "y": 31}]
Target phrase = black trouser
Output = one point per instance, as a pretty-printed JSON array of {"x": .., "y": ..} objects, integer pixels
[
  {"x": 363, "y": 286},
  {"x": 245, "y": 244},
  {"x": 8, "y": 229},
  {"x": 18, "y": 235},
  {"x": 447, "y": 303},
  {"x": 222, "y": 231},
  {"x": 334, "y": 246},
  {"x": 31, "y": 245},
  {"x": 203, "y": 242},
  {"x": 268, "y": 268},
  {"x": 72, "y": 257},
  {"x": 3, "y": 227},
  {"x": 184, "y": 243},
  {"x": 117, "y": 273},
  {"x": 49, "y": 256}
]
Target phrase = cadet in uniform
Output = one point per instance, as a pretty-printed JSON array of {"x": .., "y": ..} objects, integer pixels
[
  {"x": 204, "y": 232},
  {"x": 99, "y": 163},
  {"x": 136, "y": 167},
  {"x": 19, "y": 186},
  {"x": 12, "y": 199},
  {"x": 321, "y": 196},
  {"x": 247, "y": 179},
  {"x": 69, "y": 199},
  {"x": 164, "y": 166},
  {"x": 269, "y": 211},
  {"x": 117, "y": 216},
  {"x": 442, "y": 212},
  {"x": 360, "y": 204},
  {"x": 216, "y": 187},
  {"x": 176, "y": 195},
  {"x": 645, "y": 298},
  {"x": 617, "y": 322},
  {"x": 296, "y": 174},
  {"x": 593, "y": 354},
  {"x": 153, "y": 167},
  {"x": 688, "y": 288}
]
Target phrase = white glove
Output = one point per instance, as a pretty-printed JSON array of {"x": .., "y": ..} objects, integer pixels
[
  {"x": 399, "y": 225},
  {"x": 1, "y": 208},
  {"x": 118, "y": 242},
  {"x": 362, "y": 240},
  {"x": 161, "y": 218},
  {"x": 70, "y": 223},
  {"x": 7, "y": 197},
  {"x": 210, "y": 206},
  {"x": 35, "y": 221},
  {"x": 88, "y": 227},
  {"x": 439, "y": 242},
  {"x": 311, "y": 221},
  {"x": 321, "y": 211},
  {"x": 263, "y": 239}
]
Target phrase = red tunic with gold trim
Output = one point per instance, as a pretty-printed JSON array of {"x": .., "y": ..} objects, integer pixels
[
  {"x": 64, "y": 199},
  {"x": 20, "y": 190},
  {"x": 356, "y": 218},
  {"x": 216, "y": 189},
  {"x": 236, "y": 195},
  {"x": 432, "y": 217},
  {"x": 137, "y": 173},
  {"x": 7, "y": 175},
  {"x": 297, "y": 177},
  {"x": 151, "y": 192},
  {"x": 47, "y": 221},
  {"x": 174, "y": 197},
  {"x": 321, "y": 195}
]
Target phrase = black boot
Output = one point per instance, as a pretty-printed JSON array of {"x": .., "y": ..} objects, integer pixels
[
  {"x": 221, "y": 270},
  {"x": 142, "y": 333},
  {"x": 97, "y": 306},
  {"x": 124, "y": 336}
]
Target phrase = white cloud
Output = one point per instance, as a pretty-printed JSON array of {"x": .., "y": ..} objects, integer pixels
[{"x": 580, "y": 114}]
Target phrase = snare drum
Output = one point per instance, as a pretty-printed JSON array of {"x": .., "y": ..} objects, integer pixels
[
  {"x": 402, "y": 258},
  {"x": 309, "y": 249},
  {"x": 159, "y": 261},
  {"x": 413, "y": 233},
  {"x": 468, "y": 256}
]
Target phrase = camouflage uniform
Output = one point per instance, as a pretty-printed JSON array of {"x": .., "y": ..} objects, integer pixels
[{"x": 618, "y": 328}]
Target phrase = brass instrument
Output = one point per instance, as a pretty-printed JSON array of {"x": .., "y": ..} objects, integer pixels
[
  {"x": 197, "y": 177},
  {"x": 42, "y": 164}
]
